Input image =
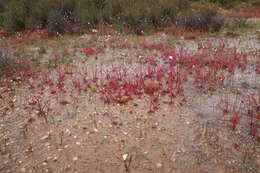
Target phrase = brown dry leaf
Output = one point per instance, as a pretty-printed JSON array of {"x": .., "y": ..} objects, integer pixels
[
  {"x": 1, "y": 101},
  {"x": 123, "y": 99}
]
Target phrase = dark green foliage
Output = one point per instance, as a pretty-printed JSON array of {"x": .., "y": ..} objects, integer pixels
[
  {"x": 2, "y": 18},
  {"x": 56, "y": 21},
  {"x": 205, "y": 19},
  {"x": 3, "y": 5},
  {"x": 228, "y": 1},
  {"x": 221, "y": 1},
  {"x": 57, "y": 15},
  {"x": 15, "y": 16},
  {"x": 6, "y": 61}
]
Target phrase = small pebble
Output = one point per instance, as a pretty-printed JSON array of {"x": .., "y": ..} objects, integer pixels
[{"x": 158, "y": 165}]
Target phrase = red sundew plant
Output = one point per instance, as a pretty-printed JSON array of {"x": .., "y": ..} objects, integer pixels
[
  {"x": 244, "y": 14},
  {"x": 174, "y": 31},
  {"x": 257, "y": 68},
  {"x": 53, "y": 91},
  {"x": 111, "y": 31},
  {"x": 252, "y": 104},
  {"x": 151, "y": 59},
  {"x": 42, "y": 108},
  {"x": 8, "y": 86},
  {"x": 46, "y": 80},
  {"x": 76, "y": 82},
  {"x": 95, "y": 77},
  {"x": 85, "y": 81},
  {"x": 251, "y": 108},
  {"x": 65, "y": 51},
  {"x": 160, "y": 72},
  {"x": 93, "y": 50},
  {"x": 223, "y": 105},
  {"x": 60, "y": 81},
  {"x": 169, "y": 56},
  {"x": 154, "y": 102},
  {"x": 235, "y": 118},
  {"x": 205, "y": 44},
  {"x": 10, "y": 100},
  {"x": 150, "y": 71},
  {"x": 122, "y": 44},
  {"x": 152, "y": 46},
  {"x": 208, "y": 78}
]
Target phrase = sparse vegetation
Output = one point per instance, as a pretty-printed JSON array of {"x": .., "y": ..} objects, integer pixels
[{"x": 184, "y": 99}]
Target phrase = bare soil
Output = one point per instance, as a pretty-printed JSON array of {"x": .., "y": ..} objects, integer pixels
[{"x": 85, "y": 134}]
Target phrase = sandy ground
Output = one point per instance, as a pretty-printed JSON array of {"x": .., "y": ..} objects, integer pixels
[{"x": 84, "y": 134}]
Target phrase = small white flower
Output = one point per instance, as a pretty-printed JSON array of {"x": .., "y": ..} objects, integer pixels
[
  {"x": 94, "y": 30},
  {"x": 170, "y": 57},
  {"x": 125, "y": 156}
]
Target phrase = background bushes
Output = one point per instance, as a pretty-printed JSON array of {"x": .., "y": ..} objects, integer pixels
[
  {"x": 7, "y": 62},
  {"x": 205, "y": 19},
  {"x": 58, "y": 15}
]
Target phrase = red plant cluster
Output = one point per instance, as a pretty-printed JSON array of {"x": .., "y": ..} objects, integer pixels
[
  {"x": 252, "y": 102},
  {"x": 60, "y": 81},
  {"x": 174, "y": 31},
  {"x": 188, "y": 32},
  {"x": 42, "y": 108},
  {"x": 244, "y": 14},
  {"x": 257, "y": 68},
  {"x": 93, "y": 50},
  {"x": 159, "y": 77},
  {"x": 251, "y": 113},
  {"x": 152, "y": 46}
]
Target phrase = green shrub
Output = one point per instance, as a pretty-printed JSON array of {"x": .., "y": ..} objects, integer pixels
[
  {"x": 6, "y": 61},
  {"x": 57, "y": 23},
  {"x": 87, "y": 16},
  {"x": 221, "y": 1},
  {"x": 239, "y": 23},
  {"x": 134, "y": 14},
  {"x": 206, "y": 19},
  {"x": 15, "y": 16},
  {"x": 3, "y": 5},
  {"x": 228, "y": 1},
  {"x": 2, "y": 19}
]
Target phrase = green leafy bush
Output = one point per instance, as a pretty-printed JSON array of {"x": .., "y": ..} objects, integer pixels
[
  {"x": 87, "y": 16},
  {"x": 206, "y": 19},
  {"x": 6, "y": 61},
  {"x": 15, "y": 16},
  {"x": 57, "y": 15},
  {"x": 56, "y": 22},
  {"x": 228, "y": 1},
  {"x": 2, "y": 19}
]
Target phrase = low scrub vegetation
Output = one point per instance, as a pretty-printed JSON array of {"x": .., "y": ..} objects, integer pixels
[
  {"x": 6, "y": 61},
  {"x": 59, "y": 15},
  {"x": 205, "y": 19}
]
